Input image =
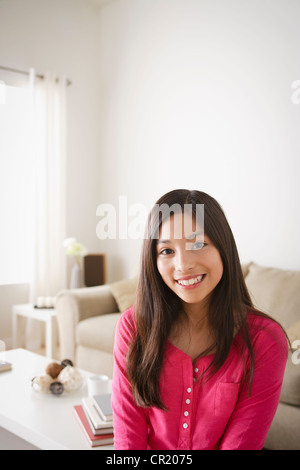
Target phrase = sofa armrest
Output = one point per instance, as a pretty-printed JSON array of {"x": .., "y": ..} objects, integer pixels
[{"x": 75, "y": 305}]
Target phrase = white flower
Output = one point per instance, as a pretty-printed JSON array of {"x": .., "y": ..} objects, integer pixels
[
  {"x": 69, "y": 241},
  {"x": 74, "y": 248}
]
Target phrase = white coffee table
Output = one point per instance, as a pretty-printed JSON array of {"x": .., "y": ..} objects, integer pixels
[{"x": 43, "y": 420}]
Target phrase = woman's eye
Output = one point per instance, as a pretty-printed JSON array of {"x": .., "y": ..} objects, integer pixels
[
  {"x": 166, "y": 251},
  {"x": 198, "y": 245}
]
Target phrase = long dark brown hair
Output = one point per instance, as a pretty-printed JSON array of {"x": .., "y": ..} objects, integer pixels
[{"x": 157, "y": 307}]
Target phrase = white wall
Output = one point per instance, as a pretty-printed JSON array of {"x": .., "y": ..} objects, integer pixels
[{"x": 197, "y": 94}]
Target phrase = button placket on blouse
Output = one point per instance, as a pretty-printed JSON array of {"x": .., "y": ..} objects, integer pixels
[
  {"x": 186, "y": 412},
  {"x": 187, "y": 408},
  {"x": 198, "y": 368}
]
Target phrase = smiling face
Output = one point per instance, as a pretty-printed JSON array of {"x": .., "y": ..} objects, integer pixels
[{"x": 189, "y": 267}]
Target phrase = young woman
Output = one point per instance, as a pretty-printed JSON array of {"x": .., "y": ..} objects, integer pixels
[{"x": 195, "y": 365}]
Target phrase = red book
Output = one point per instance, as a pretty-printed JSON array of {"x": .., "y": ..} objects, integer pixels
[{"x": 103, "y": 439}]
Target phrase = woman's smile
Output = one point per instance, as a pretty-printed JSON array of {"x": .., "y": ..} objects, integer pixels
[{"x": 191, "y": 282}]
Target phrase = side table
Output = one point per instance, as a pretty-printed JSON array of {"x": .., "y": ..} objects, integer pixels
[{"x": 46, "y": 315}]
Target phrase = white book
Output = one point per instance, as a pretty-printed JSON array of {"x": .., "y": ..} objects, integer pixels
[
  {"x": 103, "y": 406},
  {"x": 98, "y": 422},
  {"x": 97, "y": 432}
]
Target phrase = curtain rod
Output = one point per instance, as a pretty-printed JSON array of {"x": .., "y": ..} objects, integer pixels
[{"x": 23, "y": 72}]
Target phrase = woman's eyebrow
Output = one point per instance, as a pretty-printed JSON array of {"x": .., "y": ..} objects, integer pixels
[
  {"x": 195, "y": 235},
  {"x": 160, "y": 241},
  {"x": 198, "y": 235}
]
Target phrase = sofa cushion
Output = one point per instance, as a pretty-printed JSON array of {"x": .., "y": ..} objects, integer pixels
[
  {"x": 275, "y": 292},
  {"x": 245, "y": 268},
  {"x": 293, "y": 333},
  {"x": 284, "y": 433},
  {"x": 95, "y": 361},
  {"x": 290, "y": 392},
  {"x": 124, "y": 292},
  {"x": 98, "y": 332}
]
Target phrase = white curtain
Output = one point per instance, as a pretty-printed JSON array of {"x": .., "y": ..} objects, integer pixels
[{"x": 48, "y": 124}]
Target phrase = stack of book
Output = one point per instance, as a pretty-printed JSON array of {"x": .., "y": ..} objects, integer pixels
[{"x": 95, "y": 417}]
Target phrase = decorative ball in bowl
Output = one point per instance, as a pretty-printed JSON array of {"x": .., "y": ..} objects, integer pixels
[{"x": 58, "y": 378}]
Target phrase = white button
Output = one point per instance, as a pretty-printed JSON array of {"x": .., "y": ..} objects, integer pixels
[
  {"x": 189, "y": 390},
  {"x": 185, "y": 425},
  {"x": 188, "y": 401},
  {"x": 196, "y": 369},
  {"x": 186, "y": 413},
  {"x": 194, "y": 379}
]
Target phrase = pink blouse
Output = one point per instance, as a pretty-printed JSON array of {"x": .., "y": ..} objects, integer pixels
[{"x": 202, "y": 414}]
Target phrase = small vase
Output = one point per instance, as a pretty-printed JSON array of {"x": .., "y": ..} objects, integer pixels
[{"x": 76, "y": 277}]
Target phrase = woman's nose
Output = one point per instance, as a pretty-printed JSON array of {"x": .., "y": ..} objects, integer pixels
[{"x": 184, "y": 261}]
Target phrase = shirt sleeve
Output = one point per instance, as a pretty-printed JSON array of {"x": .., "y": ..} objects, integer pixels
[
  {"x": 129, "y": 419},
  {"x": 249, "y": 424}
]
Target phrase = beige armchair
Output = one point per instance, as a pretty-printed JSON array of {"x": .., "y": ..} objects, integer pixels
[{"x": 87, "y": 319}]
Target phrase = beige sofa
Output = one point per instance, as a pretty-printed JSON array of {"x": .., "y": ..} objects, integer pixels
[{"x": 87, "y": 318}]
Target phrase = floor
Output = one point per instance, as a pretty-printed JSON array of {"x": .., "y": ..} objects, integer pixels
[{"x": 42, "y": 352}]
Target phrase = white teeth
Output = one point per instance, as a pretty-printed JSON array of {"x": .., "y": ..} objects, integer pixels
[{"x": 190, "y": 282}]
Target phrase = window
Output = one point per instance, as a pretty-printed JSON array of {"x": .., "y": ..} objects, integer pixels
[{"x": 16, "y": 186}]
